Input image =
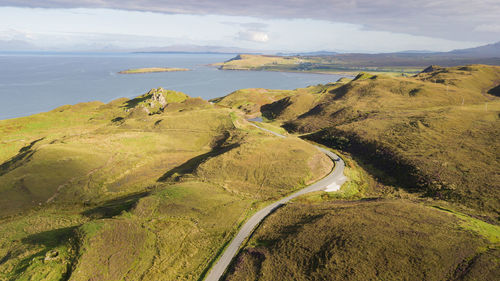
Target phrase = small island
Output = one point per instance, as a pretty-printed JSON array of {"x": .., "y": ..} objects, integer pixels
[{"x": 152, "y": 69}]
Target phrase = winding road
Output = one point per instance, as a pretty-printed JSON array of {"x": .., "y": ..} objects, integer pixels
[{"x": 331, "y": 182}]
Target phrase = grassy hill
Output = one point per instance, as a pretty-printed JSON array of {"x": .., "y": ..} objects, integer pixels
[
  {"x": 255, "y": 62},
  {"x": 365, "y": 240},
  {"x": 250, "y": 100},
  {"x": 435, "y": 133},
  {"x": 134, "y": 189},
  {"x": 154, "y": 188},
  {"x": 422, "y": 200}
]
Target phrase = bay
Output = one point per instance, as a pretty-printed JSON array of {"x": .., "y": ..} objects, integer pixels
[{"x": 36, "y": 82}]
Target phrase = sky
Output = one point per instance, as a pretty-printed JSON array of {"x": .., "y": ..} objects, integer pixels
[{"x": 277, "y": 25}]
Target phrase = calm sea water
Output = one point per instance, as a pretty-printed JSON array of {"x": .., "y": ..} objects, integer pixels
[{"x": 33, "y": 83}]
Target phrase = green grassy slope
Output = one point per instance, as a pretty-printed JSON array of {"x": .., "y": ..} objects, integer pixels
[
  {"x": 257, "y": 101},
  {"x": 255, "y": 62},
  {"x": 131, "y": 189},
  {"x": 166, "y": 235},
  {"x": 417, "y": 150},
  {"x": 114, "y": 149},
  {"x": 153, "y": 188},
  {"x": 250, "y": 100},
  {"x": 435, "y": 133},
  {"x": 370, "y": 240},
  {"x": 250, "y": 168}
]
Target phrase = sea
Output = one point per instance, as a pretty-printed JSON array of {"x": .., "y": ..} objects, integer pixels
[{"x": 37, "y": 82}]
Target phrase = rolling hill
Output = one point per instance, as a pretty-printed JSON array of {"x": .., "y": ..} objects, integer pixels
[
  {"x": 133, "y": 189},
  {"x": 154, "y": 188},
  {"x": 422, "y": 202}
]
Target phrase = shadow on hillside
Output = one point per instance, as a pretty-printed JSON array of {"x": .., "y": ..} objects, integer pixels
[
  {"x": 115, "y": 206},
  {"x": 193, "y": 163},
  {"x": 117, "y": 120},
  {"x": 6, "y": 257},
  {"x": 383, "y": 164},
  {"x": 495, "y": 91},
  {"x": 51, "y": 238},
  {"x": 23, "y": 153},
  {"x": 134, "y": 102}
]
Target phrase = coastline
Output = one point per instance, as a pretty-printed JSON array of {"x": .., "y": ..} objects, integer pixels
[
  {"x": 350, "y": 74},
  {"x": 345, "y": 73}
]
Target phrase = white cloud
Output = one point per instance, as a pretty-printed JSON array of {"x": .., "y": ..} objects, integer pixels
[
  {"x": 132, "y": 29},
  {"x": 449, "y": 19},
  {"x": 488, "y": 28},
  {"x": 252, "y": 35},
  {"x": 14, "y": 34}
]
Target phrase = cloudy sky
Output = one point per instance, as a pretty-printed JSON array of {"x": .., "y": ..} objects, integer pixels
[{"x": 278, "y": 25}]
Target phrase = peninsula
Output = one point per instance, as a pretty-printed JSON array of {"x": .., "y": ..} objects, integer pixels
[{"x": 394, "y": 64}]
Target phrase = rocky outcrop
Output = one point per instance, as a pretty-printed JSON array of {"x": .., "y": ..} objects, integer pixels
[
  {"x": 431, "y": 68},
  {"x": 157, "y": 95},
  {"x": 153, "y": 102}
]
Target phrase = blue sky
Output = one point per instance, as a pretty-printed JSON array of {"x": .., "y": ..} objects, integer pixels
[{"x": 71, "y": 27}]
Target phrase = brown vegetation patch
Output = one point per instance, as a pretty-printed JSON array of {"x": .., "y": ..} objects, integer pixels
[{"x": 377, "y": 240}]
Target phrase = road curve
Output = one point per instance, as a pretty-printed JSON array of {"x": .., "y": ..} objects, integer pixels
[{"x": 334, "y": 178}]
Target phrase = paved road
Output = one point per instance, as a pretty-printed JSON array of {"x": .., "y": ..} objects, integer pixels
[{"x": 335, "y": 178}]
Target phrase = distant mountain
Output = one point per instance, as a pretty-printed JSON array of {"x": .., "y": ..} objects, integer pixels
[
  {"x": 490, "y": 50},
  {"x": 317, "y": 53},
  {"x": 487, "y": 51},
  {"x": 416, "y": 52}
]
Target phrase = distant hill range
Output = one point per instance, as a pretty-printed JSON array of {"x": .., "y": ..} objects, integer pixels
[
  {"x": 317, "y": 53},
  {"x": 490, "y": 50},
  {"x": 399, "y": 63},
  {"x": 488, "y": 54},
  {"x": 486, "y": 51}
]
